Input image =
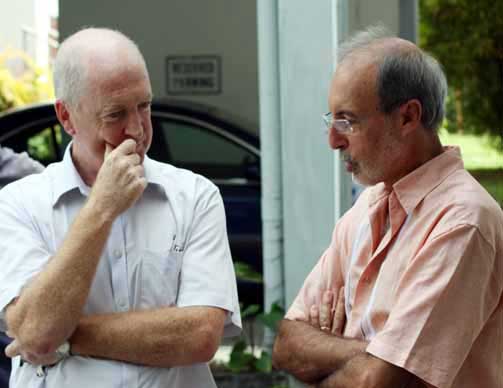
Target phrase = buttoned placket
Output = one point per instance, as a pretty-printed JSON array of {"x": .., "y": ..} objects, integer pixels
[
  {"x": 118, "y": 264},
  {"x": 387, "y": 211},
  {"x": 117, "y": 258}
]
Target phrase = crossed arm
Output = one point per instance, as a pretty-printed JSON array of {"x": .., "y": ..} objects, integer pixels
[
  {"x": 316, "y": 353},
  {"x": 49, "y": 310},
  {"x": 164, "y": 337}
]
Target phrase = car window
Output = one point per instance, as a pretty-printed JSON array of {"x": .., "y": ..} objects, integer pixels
[
  {"x": 45, "y": 144},
  {"x": 206, "y": 151}
]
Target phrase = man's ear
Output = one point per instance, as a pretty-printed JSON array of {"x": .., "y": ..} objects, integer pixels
[
  {"x": 410, "y": 116},
  {"x": 64, "y": 116}
]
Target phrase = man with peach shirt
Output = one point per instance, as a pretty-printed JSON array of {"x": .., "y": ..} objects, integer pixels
[{"x": 410, "y": 291}]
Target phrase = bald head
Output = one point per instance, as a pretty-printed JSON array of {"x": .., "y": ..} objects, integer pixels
[
  {"x": 402, "y": 72},
  {"x": 90, "y": 52},
  {"x": 371, "y": 45}
]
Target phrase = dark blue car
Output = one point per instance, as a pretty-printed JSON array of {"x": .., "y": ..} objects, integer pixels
[{"x": 186, "y": 135}]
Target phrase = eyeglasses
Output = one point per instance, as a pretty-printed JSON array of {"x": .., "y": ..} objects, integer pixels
[{"x": 340, "y": 125}]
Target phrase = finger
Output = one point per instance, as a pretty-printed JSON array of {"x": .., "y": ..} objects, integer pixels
[
  {"x": 138, "y": 186},
  {"x": 137, "y": 172},
  {"x": 108, "y": 149},
  {"x": 12, "y": 350},
  {"x": 133, "y": 159},
  {"x": 9, "y": 334},
  {"x": 314, "y": 316},
  {"x": 326, "y": 310},
  {"x": 127, "y": 147},
  {"x": 42, "y": 359},
  {"x": 339, "y": 314},
  {"x": 143, "y": 183}
]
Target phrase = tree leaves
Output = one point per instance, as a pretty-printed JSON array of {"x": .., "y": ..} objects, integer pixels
[
  {"x": 32, "y": 84},
  {"x": 466, "y": 36},
  {"x": 245, "y": 272}
]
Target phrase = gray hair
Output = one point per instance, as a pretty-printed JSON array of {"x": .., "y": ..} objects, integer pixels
[
  {"x": 403, "y": 74},
  {"x": 69, "y": 75},
  {"x": 70, "y": 70}
]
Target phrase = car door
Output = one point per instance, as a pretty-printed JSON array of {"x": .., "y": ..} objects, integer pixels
[
  {"x": 234, "y": 166},
  {"x": 43, "y": 140}
]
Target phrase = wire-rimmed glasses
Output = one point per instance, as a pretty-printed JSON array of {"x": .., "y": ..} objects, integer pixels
[{"x": 340, "y": 125}]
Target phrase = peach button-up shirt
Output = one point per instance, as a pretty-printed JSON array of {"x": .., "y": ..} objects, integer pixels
[{"x": 425, "y": 285}]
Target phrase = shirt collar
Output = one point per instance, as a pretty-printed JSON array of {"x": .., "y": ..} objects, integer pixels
[
  {"x": 69, "y": 178},
  {"x": 414, "y": 187},
  {"x": 153, "y": 173}
]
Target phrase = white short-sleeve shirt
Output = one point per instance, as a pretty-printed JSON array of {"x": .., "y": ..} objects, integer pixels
[{"x": 169, "y": 249}]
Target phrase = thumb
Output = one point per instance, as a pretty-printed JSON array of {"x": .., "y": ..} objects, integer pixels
[
  {"x": 108, "y": 149},
  {"x": 12, "y": 350}
]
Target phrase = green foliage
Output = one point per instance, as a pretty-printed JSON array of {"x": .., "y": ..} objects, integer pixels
[
  {"x": 466, "y": 36},
  {"x": 483, "y": 158},
  {"x": 272, "y": 318},
  {"x": 492, "y": 180},
  {"x": 264, "y": 363},
  {"x": 243, "y": 356},
  {"x": 33, "y": 84},
  {"x": 243, "y": 360},
  {"x": 250, "y": 311},
  {"x": 480, "y": 152},
  {"x": 42, "y": 147},
  {"x": 26, "y": 84},
  {"x": 246, "y": 272}
]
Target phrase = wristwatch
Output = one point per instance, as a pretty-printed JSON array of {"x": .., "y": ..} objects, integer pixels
[{"x": 64, "y": 350}]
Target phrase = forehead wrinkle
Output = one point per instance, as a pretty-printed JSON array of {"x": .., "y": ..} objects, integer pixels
[
  {"x": 105, "y": 53},
  {"x": 353, "y": 87},
  {"x": 109, "y": 80}
]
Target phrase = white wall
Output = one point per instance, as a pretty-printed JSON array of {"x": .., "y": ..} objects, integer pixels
[
  {"x": 15, "y": 15},
  {"x": 362, "y": 13},
  {"x": 184, "y": 27},
  {"x": 25, "y": 25},
  {"x": 305, "y": 41}
]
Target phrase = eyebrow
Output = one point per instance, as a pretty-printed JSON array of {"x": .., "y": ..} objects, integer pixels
[{"x": 120, "y": 105}]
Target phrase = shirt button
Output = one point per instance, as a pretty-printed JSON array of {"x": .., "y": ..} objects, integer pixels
[{"x": 117, "y": 254}]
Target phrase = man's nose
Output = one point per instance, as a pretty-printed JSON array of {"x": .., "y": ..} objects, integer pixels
[
  {"x": 337, "y": 140},
  {"x": 134, "y": 128}
]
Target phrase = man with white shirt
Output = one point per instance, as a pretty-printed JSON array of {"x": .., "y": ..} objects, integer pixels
[
  {"x": 116, "y": 269},
  {"x": 12, "y": 166}
]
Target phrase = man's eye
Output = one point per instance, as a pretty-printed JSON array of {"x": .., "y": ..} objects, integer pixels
[
  {"x": 145, "y": 105},
  {"x": 114, "y": 115}
]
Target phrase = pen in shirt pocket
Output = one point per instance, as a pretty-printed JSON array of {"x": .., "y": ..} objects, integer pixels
[{"x": 175, "y": 247}]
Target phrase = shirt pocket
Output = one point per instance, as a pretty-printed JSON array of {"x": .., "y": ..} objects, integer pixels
[{"x": 160, "y": 275}]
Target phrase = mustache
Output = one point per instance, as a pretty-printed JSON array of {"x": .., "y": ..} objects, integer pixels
[{"x": 346, "y": 158}]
